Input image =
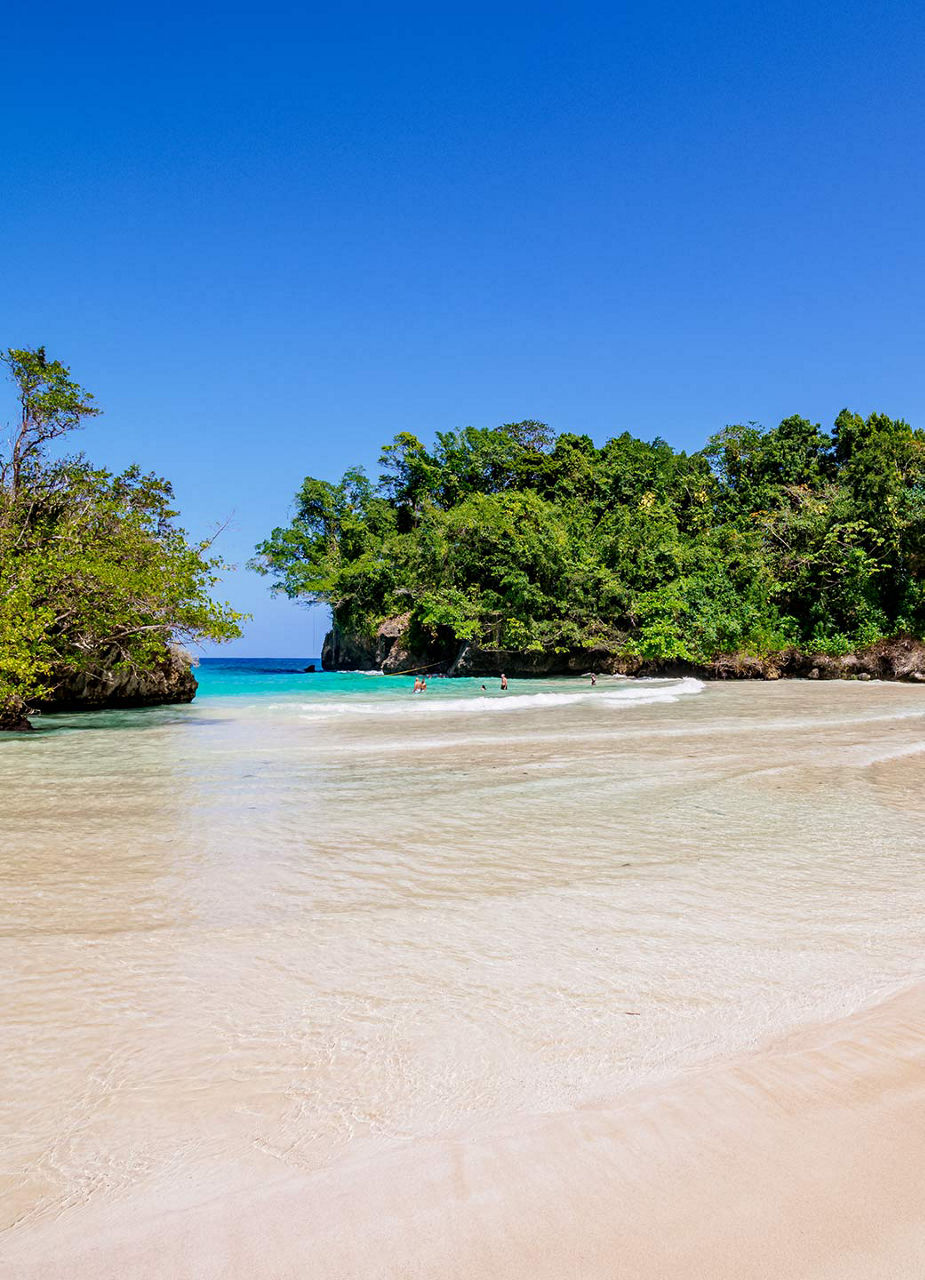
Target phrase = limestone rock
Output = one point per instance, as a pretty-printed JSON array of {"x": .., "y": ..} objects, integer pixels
[
  {"x": 170, "y": 681},
  {"x": 14, "y": 716},
  {"x": 392, "y": 650}
]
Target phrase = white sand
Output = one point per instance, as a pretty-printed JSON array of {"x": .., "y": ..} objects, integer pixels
[{"x": 805, "y": 1160}]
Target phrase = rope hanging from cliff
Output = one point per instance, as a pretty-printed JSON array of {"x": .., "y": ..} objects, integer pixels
[{"x": 411, "y": 670}]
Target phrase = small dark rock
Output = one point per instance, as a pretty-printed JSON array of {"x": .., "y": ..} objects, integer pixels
[{"x": 14, "y": 717}]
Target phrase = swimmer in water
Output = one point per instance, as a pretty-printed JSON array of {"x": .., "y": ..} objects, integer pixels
[
  {"x": 503, "y": 682},
  {"x": 417, "y": 685},
  {"x": 593, "y": 680}
]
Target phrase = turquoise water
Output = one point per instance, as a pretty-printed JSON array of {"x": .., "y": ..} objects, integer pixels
[
  {"x": 287, "y": 677},
  {"x": 281, "y": 689},
  {"x": 235, "y": 677}
]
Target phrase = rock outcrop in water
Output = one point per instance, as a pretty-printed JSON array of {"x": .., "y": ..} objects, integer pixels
[
  {"x": 14, "y": 717},
  {"x": 392, "y": 651},
  {"x": 169, "y": 681}
]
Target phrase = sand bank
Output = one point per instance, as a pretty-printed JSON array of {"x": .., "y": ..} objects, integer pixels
[{"x": 804, "y": 1160}]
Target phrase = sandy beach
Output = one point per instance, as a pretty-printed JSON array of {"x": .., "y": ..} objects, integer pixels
[
  {"x": 633, "y": 989},
  {"x": 803, "y": 1160}
]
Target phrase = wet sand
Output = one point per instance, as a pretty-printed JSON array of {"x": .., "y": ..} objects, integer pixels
[
  {"x": 263, "y": 1018},
  {"x": 804, "y": 1160}
]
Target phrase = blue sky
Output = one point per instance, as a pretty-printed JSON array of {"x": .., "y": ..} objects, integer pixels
[{"x": 269, "y": 237}]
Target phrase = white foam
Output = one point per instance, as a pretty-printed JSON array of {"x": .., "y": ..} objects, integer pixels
[{"x": 640, "y": 693}]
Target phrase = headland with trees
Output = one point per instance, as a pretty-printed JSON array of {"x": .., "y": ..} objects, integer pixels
[{"x": 794, "y": 550}]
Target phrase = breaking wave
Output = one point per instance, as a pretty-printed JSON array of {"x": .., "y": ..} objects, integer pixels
[{"x": 640, "y": 693}]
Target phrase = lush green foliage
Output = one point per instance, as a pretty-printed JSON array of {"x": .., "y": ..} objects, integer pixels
[
  {"x": 518, "y": 538},
  {"x": 93, "y": 571}
]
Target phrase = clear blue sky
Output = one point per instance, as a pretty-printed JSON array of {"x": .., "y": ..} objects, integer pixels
[{"x": 270, "y": 236}]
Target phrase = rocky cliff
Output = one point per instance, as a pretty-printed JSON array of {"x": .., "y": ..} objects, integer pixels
[
  {"x": 170, "y": 680},
  {"x": 392, "y": 651}
]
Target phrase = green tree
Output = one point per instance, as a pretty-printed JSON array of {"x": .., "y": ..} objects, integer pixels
[
  {"x": 94, "y": 572},
  {"x": 50, "y": 405}
]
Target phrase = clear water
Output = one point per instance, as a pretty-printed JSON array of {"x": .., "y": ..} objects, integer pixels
[
  {"x": 286, "y": 681},
  {"x": 308, "y": 917}
]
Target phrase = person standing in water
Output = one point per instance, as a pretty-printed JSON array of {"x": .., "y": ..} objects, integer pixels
[
  {"x": 417, "y": 685},
  {"x": 503, "y": 682}
]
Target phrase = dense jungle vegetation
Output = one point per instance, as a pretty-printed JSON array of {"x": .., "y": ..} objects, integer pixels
[
  {"x": 94, "y": 573},
  {"x": 519, "y": 538}
]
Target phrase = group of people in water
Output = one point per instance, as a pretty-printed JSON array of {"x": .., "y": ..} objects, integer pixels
[{"x": 420, "y": 684}]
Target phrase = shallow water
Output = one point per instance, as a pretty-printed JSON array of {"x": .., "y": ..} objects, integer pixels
[{"x": 312, "y": 916}]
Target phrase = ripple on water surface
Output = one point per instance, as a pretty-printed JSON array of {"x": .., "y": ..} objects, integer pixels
[{"x": 307, "y": 919}]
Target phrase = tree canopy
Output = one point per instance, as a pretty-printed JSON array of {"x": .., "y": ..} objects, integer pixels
[
  {"x": 94, "y": 571},
  {"x": 516, "y": 537}
]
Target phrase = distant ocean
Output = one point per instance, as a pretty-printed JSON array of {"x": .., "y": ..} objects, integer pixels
[{"x": 236, "y": 677}]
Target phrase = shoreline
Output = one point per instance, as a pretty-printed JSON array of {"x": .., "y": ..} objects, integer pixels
[
  {"x": 898, "y": 658},
  {"x": 803, "y": 1158}
]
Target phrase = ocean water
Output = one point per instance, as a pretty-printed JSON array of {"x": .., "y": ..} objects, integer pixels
[{"x": 310, "y": 917}]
